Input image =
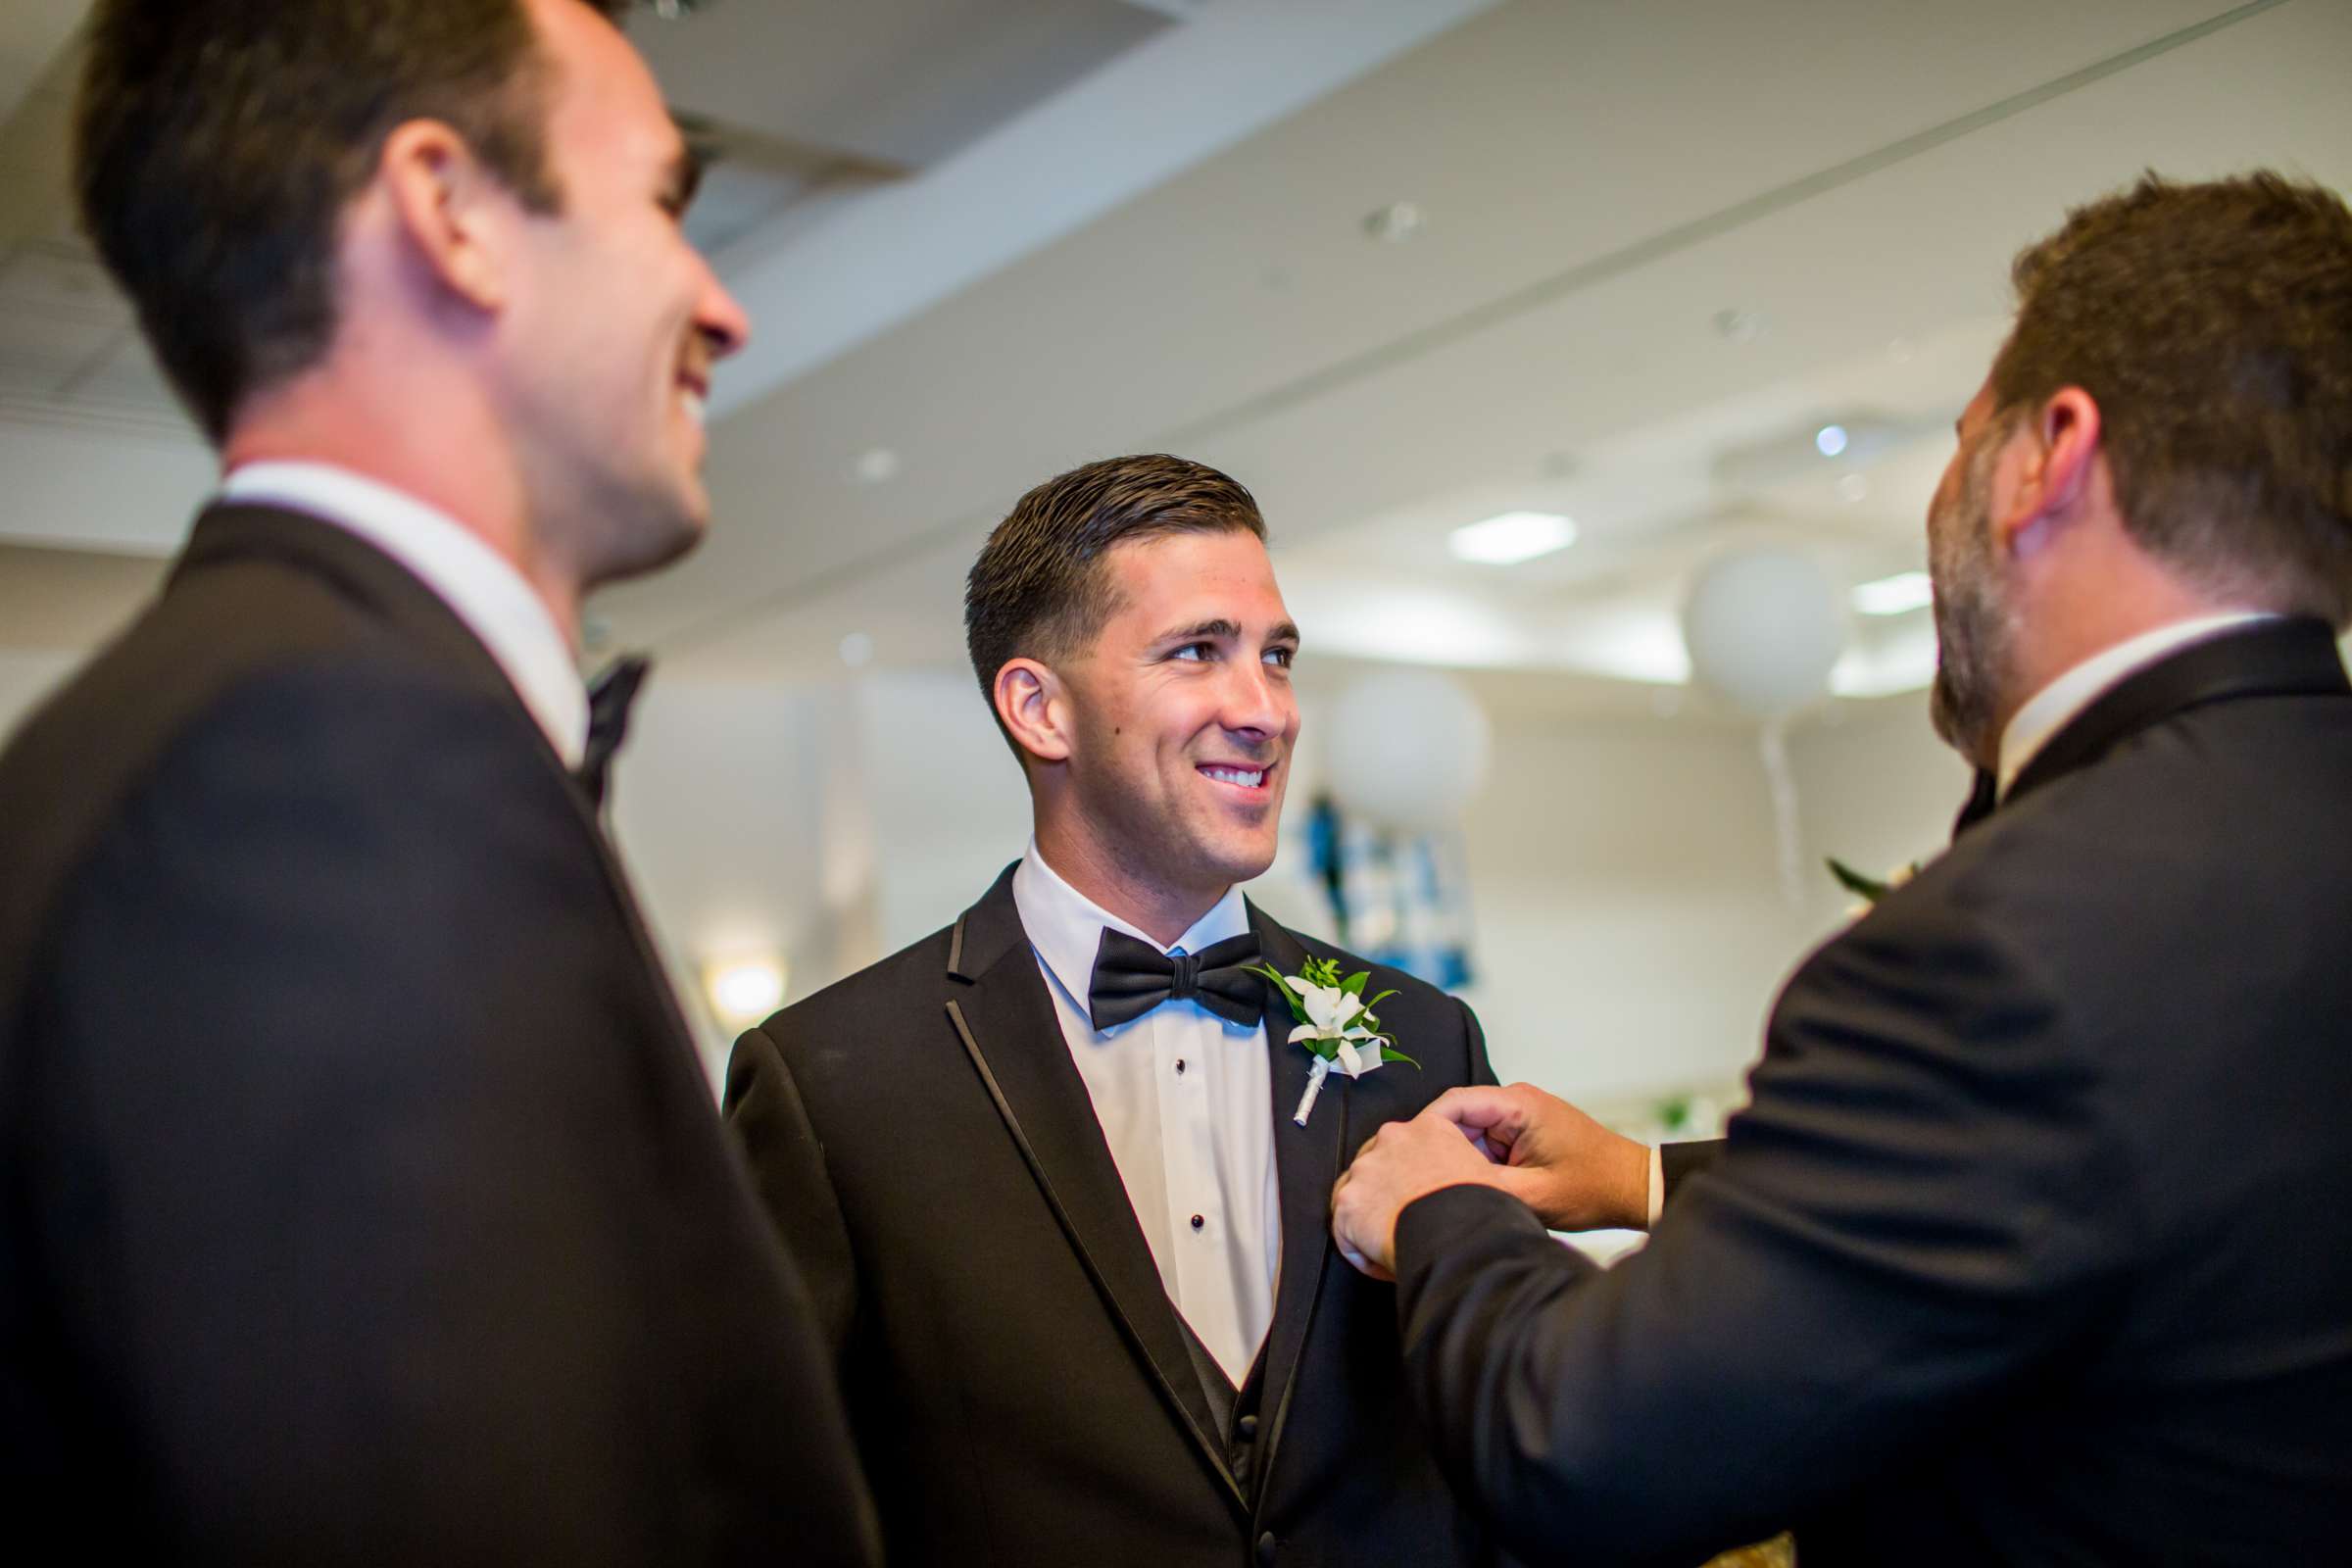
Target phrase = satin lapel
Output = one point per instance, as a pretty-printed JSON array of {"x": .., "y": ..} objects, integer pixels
[
  {"x": 1307, "y": 1162},
  {"x": 1007, "y": 1026},
  {"x": 2273, "y": 658}
]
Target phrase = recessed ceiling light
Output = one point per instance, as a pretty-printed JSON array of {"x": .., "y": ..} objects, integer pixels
[
  {"x": 1395, "y": 222},
  {"x": 1830, "y": 440},
  {"x": 876, "y": 465},
  {"x": 1897, "y": 594},
  {"x": 856, "y": 650},
  {"x": 1513, "y": 537},
  {"x": 1853, "y": 487}
]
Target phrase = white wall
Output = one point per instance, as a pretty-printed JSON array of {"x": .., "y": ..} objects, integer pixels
[{"x": 26, "y": 675}]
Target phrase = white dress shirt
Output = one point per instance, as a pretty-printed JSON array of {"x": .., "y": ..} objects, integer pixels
[
  {"x": 2045, "y": 714},
  {"x": 1186, "y": 1100},
  {"x": 2054, "y": 706},
  {"x": 481, "y": 586}
]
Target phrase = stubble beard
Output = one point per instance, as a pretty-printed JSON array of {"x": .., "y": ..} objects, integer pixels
[{"x": 1974, "y": 631}]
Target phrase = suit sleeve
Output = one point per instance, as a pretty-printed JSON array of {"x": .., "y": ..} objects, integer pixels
[
  {"x": 1678, "y": 1162},
  {"x": 373, "y": 1180},
  {"x": 1911, "y": 1218},
  {"x": 765, "y": 1110}
]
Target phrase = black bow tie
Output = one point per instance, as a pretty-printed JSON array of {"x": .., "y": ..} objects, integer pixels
[
  {"x": 1984, "y": 795},
  {"x": 609, "y": 697},
  {"x": 1132, "y": 977}
]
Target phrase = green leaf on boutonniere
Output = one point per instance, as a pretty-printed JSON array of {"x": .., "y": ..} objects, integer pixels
[
  {"x": 1854, "y": 882},
  {"x": 1282, "y": 985},
  {"x": 1389, "y": 1052}
]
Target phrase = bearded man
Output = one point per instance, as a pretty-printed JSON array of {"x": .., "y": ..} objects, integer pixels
[{"x": 2036, "y": 1242}]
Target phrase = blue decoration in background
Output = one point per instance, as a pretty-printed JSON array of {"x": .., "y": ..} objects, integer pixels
[{"x": 1402, "y": 900}]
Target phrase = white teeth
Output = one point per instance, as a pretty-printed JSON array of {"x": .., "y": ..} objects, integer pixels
[
  {"x": 1232, "y": 775},
  {"x": 693, "y": 406}
]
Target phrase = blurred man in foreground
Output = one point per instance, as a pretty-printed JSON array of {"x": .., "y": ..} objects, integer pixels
[
  {"x": 361, "y": 1195},
  {"x": 2036, "y": 1244}
]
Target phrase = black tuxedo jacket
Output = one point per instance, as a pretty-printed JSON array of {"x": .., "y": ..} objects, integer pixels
[
  {"x": 1023, "y": 1391},
  {"x": 2036, "y": 1242},
  {"x": 361, "y": 1197}
]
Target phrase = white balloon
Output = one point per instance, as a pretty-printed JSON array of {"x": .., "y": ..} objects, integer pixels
[
  {"x": 1407, "y": 748},
  {"x": 1763, "y": 628}
]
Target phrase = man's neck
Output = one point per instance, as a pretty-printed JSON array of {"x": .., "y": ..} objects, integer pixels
[
  {"x": 1161, "y": 913},
  {"x": 462, "y": 477},
  {"x": 2054, "y": 702}
]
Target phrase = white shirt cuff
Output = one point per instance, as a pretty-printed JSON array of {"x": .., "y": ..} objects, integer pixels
[{"x": 1657, "y": 1183}]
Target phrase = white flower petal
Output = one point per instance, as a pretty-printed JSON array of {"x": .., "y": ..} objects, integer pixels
[
  {"x": 1305, "y": 1031},
  {"x": 1350, "y": 1061}
]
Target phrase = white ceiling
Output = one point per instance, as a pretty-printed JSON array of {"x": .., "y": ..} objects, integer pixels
[{"x": 1601, "y": 181}]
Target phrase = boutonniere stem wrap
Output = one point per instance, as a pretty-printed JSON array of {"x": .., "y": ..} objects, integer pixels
[{"x": 1336, "y": 1024}]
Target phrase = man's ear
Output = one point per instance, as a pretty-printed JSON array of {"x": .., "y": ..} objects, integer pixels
[
  {"x": 2062, "y": 468},
  {"x": 447, "y": 206},
  {"x": 1033, "y": 707}
]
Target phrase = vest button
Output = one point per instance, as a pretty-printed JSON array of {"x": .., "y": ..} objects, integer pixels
[
  {"x": 1266, "y": 1544},
  {"x": 1249, "y": 1428}
]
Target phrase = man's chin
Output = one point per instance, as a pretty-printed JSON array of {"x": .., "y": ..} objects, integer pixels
[{"x": 658, "y": 539}]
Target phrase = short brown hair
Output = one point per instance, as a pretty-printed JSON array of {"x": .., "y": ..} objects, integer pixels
[
  {"x": 2213, "y": 325},
  {"x": 218, "y": 142},
  {"x": 1040, "y": 588}
]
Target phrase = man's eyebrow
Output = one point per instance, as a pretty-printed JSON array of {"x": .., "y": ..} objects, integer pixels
[{"x": 1203, "y": 631}]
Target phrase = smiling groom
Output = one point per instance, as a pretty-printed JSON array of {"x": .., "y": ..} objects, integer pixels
[{"x": 1068, "y": 1243}]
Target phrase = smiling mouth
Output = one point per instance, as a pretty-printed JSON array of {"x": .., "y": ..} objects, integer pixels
[{"x": 1235, "y": 777}]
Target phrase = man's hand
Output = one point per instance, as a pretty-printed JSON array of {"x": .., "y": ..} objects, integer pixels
[
  {"x": 1572, "y": 1171},
  {"x": 1576, "y": 1174},
  {"x": 1405, "y": 1161}
]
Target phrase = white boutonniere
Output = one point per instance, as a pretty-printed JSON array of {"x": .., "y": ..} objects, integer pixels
[{"x": 1335, "y": 1022}]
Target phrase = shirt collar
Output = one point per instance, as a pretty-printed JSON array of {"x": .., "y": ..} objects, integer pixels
[
  {"x": 1065, "y": 926},
  {"x": 2055, "y": 706},
  {"x": 477, "y": 584}
]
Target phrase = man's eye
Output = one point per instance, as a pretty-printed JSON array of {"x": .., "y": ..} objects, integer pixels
[
  {"x": 1192, "y": 650},
  {"x": 1284, "y": 656}
]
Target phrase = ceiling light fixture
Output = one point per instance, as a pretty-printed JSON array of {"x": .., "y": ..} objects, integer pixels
[
  {"x": 1512, "y": 537},
  {"x": 1898, "y": 595},
  {"x": 1830, "y": 440},
  {"x": 1395, "y": 224}
]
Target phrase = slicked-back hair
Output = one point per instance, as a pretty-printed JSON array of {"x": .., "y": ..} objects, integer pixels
[
  {"x": 217, "y": 143},
  {"x": 2213, "y": 325},
  {"x": 1042, "y": 588}
]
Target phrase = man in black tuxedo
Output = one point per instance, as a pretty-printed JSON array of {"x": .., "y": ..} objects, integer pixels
[
  {"x": 1066, "y": 1230},
  {"x": 361, "y": 1195},
  {"x": 2036, "y": 1242}
]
